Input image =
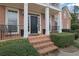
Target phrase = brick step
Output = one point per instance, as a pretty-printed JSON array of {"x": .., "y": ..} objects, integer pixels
[
  {"x": 47, "y": 49},
  {"x": 42, "y": 45},
  {"x": 37, "y": 37},
  {"x": 39, "y": 41},
  {"x": 44, "y": 38}
]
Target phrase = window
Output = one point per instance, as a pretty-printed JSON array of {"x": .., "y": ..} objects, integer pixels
[{"x": 12, "y": 20}]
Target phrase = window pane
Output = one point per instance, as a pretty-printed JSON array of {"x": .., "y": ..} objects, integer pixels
[{"x": 12, "y": 21}]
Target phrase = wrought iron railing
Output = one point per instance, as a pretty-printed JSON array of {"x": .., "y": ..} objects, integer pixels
[
  {"x": 8, "y": 31},
  {"x": 12, "y": 31}
]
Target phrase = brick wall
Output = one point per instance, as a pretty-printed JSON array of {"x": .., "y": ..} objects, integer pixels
[
  {"x": 66, "y": 21},
  {"x": 2, "y": 15}
]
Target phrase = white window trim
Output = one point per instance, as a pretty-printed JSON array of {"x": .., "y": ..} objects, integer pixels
[
  {"x": 39, "y": 19},
  {"x": 6, "y": 18},
  {"x": 40, "y": 25},
  {"x": 29, "y": 24}
]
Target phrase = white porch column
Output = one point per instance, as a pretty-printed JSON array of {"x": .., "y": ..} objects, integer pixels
[
  {"x": 25, "y": 20},
  {"x": 47, "y": 20},
  {"x": 59, "y": 22}
]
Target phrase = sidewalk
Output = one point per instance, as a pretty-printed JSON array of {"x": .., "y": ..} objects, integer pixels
[{"x": 70, "y": 51}]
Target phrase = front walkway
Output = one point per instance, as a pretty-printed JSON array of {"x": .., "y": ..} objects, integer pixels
[
  {"x": 62, "y": 53},
  {"x": 70, "y": 51}
]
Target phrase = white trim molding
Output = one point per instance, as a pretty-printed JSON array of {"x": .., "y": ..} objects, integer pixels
[
  {"x": 59, "y": 22},
  {"x": 26, "y": 20},
  {"x": 38, "y": 25},
  {"x": 39, "y": 19},
  {"x": 47, "y": 20}
]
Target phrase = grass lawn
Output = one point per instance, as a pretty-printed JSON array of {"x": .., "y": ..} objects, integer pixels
[{"x": 20, "y": 47}]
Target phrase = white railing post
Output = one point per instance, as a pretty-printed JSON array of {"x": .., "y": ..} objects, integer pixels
[
  {"x": 25, "y": 20},
  {"x": 47, "y": 20},
  {"x": 59, "y": 22}
]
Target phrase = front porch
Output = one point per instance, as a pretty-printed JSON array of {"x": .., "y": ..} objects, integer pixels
[
  {"x": 38, "y": 22},
  {"x": 35, "y": 19}
]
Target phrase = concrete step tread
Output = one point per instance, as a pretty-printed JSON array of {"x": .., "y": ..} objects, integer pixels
[
  {"x": 37, "y": 37},
  {"x": 47, "y": 49},
  {"x": 44, "y": 38},
  {"x": 43, "y": 44},
  {"x": 39, "y": 40}
]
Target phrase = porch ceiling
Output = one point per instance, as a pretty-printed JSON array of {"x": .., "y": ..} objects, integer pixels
[
  {"x": 40, "y": 9},
  {"x": 31, "y": 6},
  {"x": 36, "y": 8},
  {"x": 52, "y": 11},
  {"x": 13, "y": 5}
]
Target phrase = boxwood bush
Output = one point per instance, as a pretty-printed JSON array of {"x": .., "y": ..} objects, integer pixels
[
  {"x": 76, "y": 32},
  {"x": 63, "y": 39},
  {"x": 75, "y": 26},
  {"x": 76, "y": 43}
]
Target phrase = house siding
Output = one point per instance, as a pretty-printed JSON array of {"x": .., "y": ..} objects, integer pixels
[
  {"x": 53, "y": 20},
  {"x": 66, "y": 21},
  {"x": 2, "y": 15},
  {"x": 53, "y": 24},
  {"x": 21, "y": 19},
  {"x": 42, "y": 22}
]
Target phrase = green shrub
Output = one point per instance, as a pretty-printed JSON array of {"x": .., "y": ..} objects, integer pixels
[
  {"x": 76, "y": 43},
  {"x": 74, "y": 27},
  {"x": 76, "y": 35},
  {"x": 62, "y": 39}
]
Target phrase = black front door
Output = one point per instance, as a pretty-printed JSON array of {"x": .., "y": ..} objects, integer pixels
[{"x": 34, "y": 23}]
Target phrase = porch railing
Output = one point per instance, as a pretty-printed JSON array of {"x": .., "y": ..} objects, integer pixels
[
  {"x": 11, "y": 31},
  {"x": 14, "y": 31}
]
